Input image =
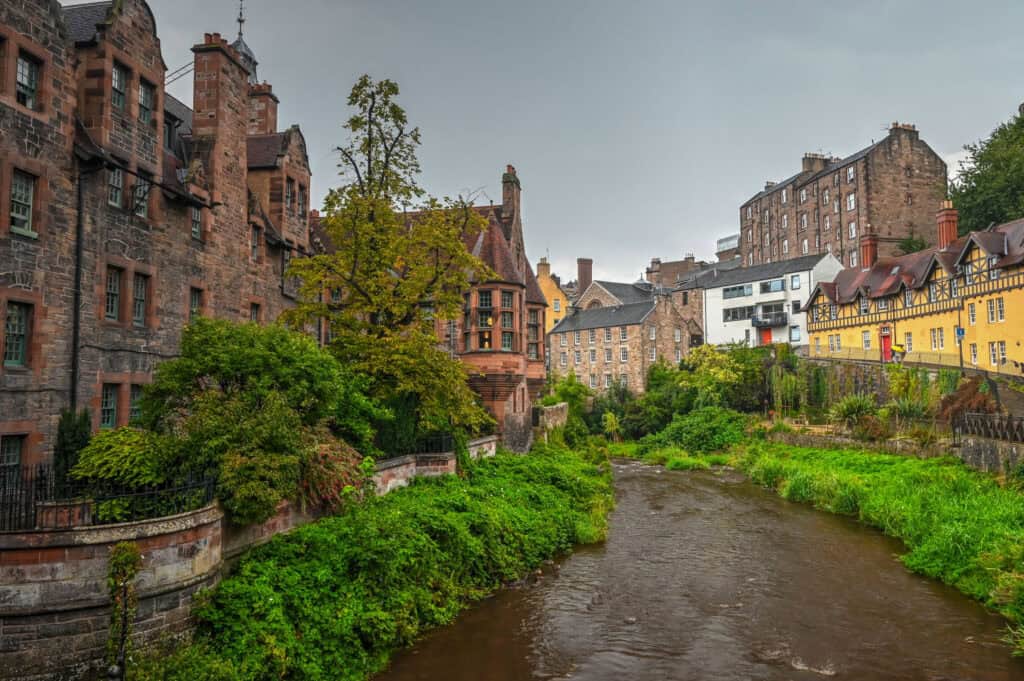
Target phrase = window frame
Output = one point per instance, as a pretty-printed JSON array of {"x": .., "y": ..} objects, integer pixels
[
  {"x": 112, "y": 299},
  {"x": 109, "y": 407},
  {"x": 28, "y": 202},
  {"x": 139, "y": 315},
  {"x": 119, "y": 92},
  {"x": 27, "y": 94},
  {"x": 23, "y": 333},
  {"x": 147, "y": 101}
]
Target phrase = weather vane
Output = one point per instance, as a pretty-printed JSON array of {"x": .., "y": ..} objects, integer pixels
[{"x": 241, "y": 16}]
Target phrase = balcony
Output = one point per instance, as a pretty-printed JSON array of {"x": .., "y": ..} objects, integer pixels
[{"x": 770, "y": 320}]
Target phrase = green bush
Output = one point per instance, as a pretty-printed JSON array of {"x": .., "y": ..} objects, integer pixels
[
  {"x": 681, "y": 462},
  {"x": 851, "y": 409},
  {"x": 708, "y": 429},
  {"x": 126, "y": 457},
  {"x": 333, "y": 599},
  {"x": 73, "y": 433}
]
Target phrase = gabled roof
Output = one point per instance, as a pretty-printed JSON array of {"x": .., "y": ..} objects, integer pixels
[
  {"x": 810, "y": 177},
  {"x": 628, "y": 293},
  {"x": 716, "y": 277},
  {"x": 262, "y": 151},
  {"x": 491, "y": 247},
  {"x": 82, "y": 20},
  {"x": 601, "y": 317},
  {"x": 180, "y": 111}
]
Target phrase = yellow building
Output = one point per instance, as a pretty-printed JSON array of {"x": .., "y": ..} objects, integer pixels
[
  {"x": 912, "y": 306},
  {"x": 558, "y": 302}
]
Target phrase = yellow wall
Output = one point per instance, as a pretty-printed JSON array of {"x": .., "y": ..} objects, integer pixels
[
  {"x": 943, "y": 312},
  {"x": 558, "y": 303}
]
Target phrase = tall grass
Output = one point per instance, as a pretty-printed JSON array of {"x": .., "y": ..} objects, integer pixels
[{"x": 959, "y": 525}]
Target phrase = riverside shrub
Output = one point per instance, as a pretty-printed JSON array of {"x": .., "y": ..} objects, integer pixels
[
  {"x": 708, "y": 429},
  {"x": 959, "y": 525},
  {"x": 333, "y": 599}
]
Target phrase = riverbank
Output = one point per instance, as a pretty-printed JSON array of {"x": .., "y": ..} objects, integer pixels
[{"x": 334, "y": 599}]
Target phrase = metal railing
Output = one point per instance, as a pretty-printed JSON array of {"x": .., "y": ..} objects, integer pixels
[
  {"x": 769, "y": 319},
  {"x": 992, "y": 426},
  {"x": 937, "y": 358},
  {"x": 34, "y": 497}
]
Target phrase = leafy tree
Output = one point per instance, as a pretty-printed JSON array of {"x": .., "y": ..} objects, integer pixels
[
  {"x": 989, "y": 187},
  {"x": 912, "y": 244},
  {"x": 391, "y": 272},
  {"x": 73, "y": 433}
]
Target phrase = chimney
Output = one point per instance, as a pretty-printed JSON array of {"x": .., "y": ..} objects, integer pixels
[
  {"x": 543, "y": 268},
  {"x": 948, "y": 219},
  {"x": 908, "y": 129},
  {"x": 868, "y": 248},
  {"x": 584, "y": 273},
  {"x": 220, "y": 91},
  {"x": 812, "y": 163},
  {"x": 653, "y": 273},
  {"x": 510, "y": 190},
  {"x": 768, "y": 185},
  {"x": 262, "y": 109}
]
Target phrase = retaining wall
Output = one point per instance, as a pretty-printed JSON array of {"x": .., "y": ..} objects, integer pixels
[{"x": 992, "y": 456}]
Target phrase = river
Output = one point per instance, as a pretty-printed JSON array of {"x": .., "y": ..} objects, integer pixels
[{"x": 706, "y": 576}]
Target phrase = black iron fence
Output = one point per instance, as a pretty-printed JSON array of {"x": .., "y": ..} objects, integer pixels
[
  {"x": 35, "y": 497},
  {"x": 993, "y": 426}
]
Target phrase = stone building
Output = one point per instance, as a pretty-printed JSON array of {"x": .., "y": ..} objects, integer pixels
[
  {"x": 668, "y": 273},
  {"x": 124, "y": 212},
  {"x": 551, "y": 287},
  {"x": 889, "y": 187},
  {"x": 619, "y": 330}
]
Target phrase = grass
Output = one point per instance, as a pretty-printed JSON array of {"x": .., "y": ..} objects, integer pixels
[{"x": 959, "y": 526}]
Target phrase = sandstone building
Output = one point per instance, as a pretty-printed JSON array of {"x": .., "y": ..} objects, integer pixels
[
  {"x": 551, "y": 287},
  {"x": 618, "y": 330},
  {"x": 124, "y": 212},
  {"x": 889, "y": 187}
]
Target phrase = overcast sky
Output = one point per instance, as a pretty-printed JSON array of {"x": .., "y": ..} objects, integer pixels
[{"x": 637, "y": 128}]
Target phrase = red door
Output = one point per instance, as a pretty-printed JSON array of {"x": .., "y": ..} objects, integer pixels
[
  {"x": 764, "y": 337},
  {"x": 886, "y": 348}
]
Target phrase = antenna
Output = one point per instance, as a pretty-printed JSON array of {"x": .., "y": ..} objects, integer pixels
[{"x": 241, "y": 16}]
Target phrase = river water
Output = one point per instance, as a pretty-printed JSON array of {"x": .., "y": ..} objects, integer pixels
[{"x": 706, "y": 576}]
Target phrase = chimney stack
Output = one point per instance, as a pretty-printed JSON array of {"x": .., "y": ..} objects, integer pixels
[
  {"x": 543, "y": 268},
  {"x": 584, "y": 273},
  {"x": 510, "y": 190},
  {"x": 812, "y": 163},
  {"x": 262, "y": 109},
  {"x": 868, "y": 248},
  {"x": 948, "y": 219}
]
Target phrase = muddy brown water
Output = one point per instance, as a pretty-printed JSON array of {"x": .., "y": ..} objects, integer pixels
[{"x": 706, "y": 576}]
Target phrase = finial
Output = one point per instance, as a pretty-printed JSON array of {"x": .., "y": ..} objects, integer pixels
[{"x": 241, "y": 16}]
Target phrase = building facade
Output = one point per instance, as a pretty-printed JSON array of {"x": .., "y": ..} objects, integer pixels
[
  {"x": 760, "y": 305},
  {"x": 125, "y": 212},
  {"x": 911, "y": 307},
  {"x": 890, "y": 187},
  {"x": 618, "y": 331},
  {"x": 558, "y": 301}
]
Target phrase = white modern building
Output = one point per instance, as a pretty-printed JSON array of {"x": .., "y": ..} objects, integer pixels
[{"x": 761, "y": 304}]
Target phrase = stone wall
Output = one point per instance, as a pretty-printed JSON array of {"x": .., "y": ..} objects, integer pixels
[
  {"x": 392, "y": 474},
  {"x": 991, "y": 456},
  {"x": 483, "y": 447},
  {"x": 549, "y": 418}
]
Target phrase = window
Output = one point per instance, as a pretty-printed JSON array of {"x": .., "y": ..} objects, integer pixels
[
  {"x": 974, "y": 353},
  {"x": 254, "y": 312},
  {"x": 564, "y": 340},
  {"x": 119, "y": 86},
  {"x": 773, "y": 286},
  {"x": 908, "y": 298},
  {"x": 115, "y": 186},
  {"x": 749, "y": 212},
  {"x": 835, "y": 205},
  {"x": 624, "y": 380},
  {"x": 839, "y": 342},
  {"x": 607, "y": 354},
  {"x": 679, "y": 355},
  {"x": 652, "y": 332},
  {"x": 254, "y": 243},
  {"x": 484, "y": 340},
  {"x": 302, "y": 200},
  {"x": 991, "y": 311},
  {"x": 750, "y": 259},
  {"x": 853, "y": 258},
  {"x": 794, "y": 334},
  {"x": 557, "y": 305},
  {"x": 607, "y": 381},
  {"x": 195, "y": 302},
  {"x": 850, "y": 174},
  {"x": 825, "y": 198},
  {"x": 608, "y": 334},
  {"x": 828, "y": 223},
  {"x": 577, "y": 357},
  {"x": 933, "y": 336},
  {"x": 506, "y": 320},
  {"x": 134, "y": 403},
  {"x": 289, "y": 195},
  {"x": 803, "y": 247},
  {"x": 11, "y": 448},
  {"x": 484, "y": 299},
  {"x": 954, "y": 288},
  {"x": 908, "y": 341},
  {"x": 933, "y": 292},
  {"x": 112, "y": 306},
  {"x": 677, "y": 335},
  {"x": 737, "y": 291},
  {"x": 506, "y": 341},
  {"x": 108, "y": 406},
  {"x": 147, "y": 95},
  {"x": 969, "y": 272},
  {"x": 784, "y": 199},
  {"x": 593, "y": 380},
  {"x": 796, "y": 307},
  {"x": 575, "y": 337},
  {"x": 993, "y": 271},
  {"x": 27, "y": 81},
  {"x": 883, "y": 303},
  {"x": 653, "y": 354},
  {"x": 623, "y": 332},
  {"x": 942, "y": 338},
  {"x": 140, "y": 289},
  {"x": 592, "y": 336},
  {"x": 623, "y": 354},
  {"x": 16, "y": 327},
  {"x": 141, "y": 195},
  {"x": 737, "y": 314},
  {"x": 1001, "y": 346},
  {"x": 972, "y": 317},
  {"x": 22, "y": 192},
  {"x": 563, "y": 358},
  {"x": 197, "y": 222},
  {"x": 785, "y": 246},
  {"x": 1000, "y": 310},
  {"x": 803, "y": 195},
  {"x": 831, "y": 343},
  {"x": 865, "y": 338},
  {"x": 803, "y": 221},
  {"x": 785, "y": 221},
  {"x": 833, "y": 311},
  {"x": 851, "y": 202},
  {"x": 993, "y": 354},
  {"x": 593, "y": 356},
  {"x": 852, "y": 229},
  {"x": 817, "y": 345}
]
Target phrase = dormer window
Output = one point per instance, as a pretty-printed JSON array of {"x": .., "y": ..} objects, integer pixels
[
  {"x": 908, "y": 298},
  {"x": 118, "y": 87},
  {"x": 865, "y": 306},
  {"x": 993, "y": 271},
  {"x": 27, "y": 81},
  {"x": 969, "y": 272}
]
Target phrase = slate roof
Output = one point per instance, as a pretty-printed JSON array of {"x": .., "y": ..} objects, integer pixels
[
  {"x": 263, "y": 151},
  {"x": 830, "y": 168},
  {"x": 628, "y": 293},
  {"x": 82, "y": 20},
  {"x": 491, "y": 247},
  {"x": 180, "y": 111},
  {"x": 716, "y": 277},
  {"x": 601, "y": 317}
]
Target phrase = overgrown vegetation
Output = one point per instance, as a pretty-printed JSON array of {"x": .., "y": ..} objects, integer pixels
[
  {"x": 332, "y": 600},
  {"x": 989, "y": 185},
  {"x": 959, "y": 526}
]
